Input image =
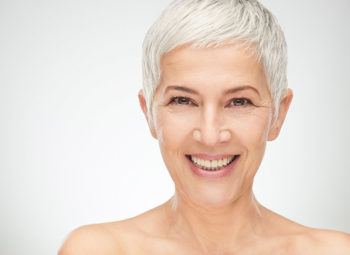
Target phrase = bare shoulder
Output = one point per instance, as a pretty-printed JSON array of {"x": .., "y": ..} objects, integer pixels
[
  {"x": 91, "y": 240},
  {"x": 300, "y": 239},
  {"x": 318, "y": 241},
  {"x": 115, "y": 238},
  {"x": 333, "y": 242}
]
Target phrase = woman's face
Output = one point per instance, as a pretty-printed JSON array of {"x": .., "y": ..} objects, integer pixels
[{"x": 212, "y": 117}]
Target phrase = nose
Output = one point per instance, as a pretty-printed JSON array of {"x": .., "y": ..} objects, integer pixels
[{"x": 211, "y": 130}]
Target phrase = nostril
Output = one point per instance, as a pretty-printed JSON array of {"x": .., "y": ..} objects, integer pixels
[{"x": 211, "y": 136}]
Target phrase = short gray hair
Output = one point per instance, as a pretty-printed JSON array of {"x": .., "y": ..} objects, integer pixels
[{"x": 215, "y": 23}]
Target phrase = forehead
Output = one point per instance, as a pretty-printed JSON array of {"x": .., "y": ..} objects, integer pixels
[{"x": 222, "y": 67}]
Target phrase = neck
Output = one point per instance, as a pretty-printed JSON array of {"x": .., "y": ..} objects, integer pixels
[{"x": 216, "y": 228}]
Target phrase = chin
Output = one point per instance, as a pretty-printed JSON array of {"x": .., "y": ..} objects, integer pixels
[{"x": 211, "y": 195}]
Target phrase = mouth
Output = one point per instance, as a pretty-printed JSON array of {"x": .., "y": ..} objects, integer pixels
[{"x": 212, "y": 165}]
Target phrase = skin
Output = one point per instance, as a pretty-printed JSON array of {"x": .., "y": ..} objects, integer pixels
[{"x": 210, "y": 215}]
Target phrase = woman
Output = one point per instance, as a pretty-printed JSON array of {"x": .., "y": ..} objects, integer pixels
[{"x": 215, "y": 91}]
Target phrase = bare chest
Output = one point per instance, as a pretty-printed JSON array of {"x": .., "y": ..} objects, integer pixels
[{"x": 164, "y": 247}]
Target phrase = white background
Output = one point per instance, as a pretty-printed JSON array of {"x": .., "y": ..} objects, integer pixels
[{"x": 74, "y": 146}]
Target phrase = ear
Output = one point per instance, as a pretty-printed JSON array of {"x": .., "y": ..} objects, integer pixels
[
  {"x": 283, "y": 109},
  {"x": 143, "y": 105}
]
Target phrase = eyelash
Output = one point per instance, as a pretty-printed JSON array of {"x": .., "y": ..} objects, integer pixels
[
  {"x": 246, "y": 100},
  {"x": 174, "y": 100},
  {"x": 188, "y": 101}
]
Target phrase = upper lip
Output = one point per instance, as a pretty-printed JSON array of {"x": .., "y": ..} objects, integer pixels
[{"x": 207, "y": 156}]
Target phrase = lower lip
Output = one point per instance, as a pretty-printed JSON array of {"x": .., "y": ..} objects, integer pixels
[{"x": 223, "y": 172}]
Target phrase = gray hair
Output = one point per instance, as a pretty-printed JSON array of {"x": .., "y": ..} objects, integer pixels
[{"x": 215, "y": 23}]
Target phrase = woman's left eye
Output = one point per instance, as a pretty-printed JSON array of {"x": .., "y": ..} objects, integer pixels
[{"x": 240, "y": 102}]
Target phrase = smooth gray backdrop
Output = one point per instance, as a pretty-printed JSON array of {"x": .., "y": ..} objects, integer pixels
[{"x": 74, "y": 146}]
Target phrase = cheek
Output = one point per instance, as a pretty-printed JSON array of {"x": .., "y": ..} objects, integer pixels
[
  {"x": 251, "y": 130},
  {"x": 173, "y": 130},
  {"x": 252, "y": 135}
]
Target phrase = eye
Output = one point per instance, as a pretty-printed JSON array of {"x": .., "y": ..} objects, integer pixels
[
  {"x": 240, "y": 102},
  {"x": 181, "y": 101}
]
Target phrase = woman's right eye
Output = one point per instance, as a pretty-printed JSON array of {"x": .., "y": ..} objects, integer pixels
[{"x": 180, "y": 101}]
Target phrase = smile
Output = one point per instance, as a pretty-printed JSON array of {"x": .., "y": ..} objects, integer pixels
[{"x": 212, "y": 164}]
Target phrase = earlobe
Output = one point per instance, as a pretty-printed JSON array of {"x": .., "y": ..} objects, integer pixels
[
  {"x": 142, "y": 102},
  {"x": 143, "y": 105},
  {"x": 282, "y": 113}
]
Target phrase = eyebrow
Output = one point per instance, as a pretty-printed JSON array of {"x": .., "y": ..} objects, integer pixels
[
  {"x": 181, "y": 88},
  {"x": 240, "y": 88},
  {"x": 228, "y": 91}
]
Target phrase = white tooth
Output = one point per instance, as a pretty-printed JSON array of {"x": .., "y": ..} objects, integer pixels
[
  {"x": 193, "y": 159},
  {"x": 220, "y": 163},
  {"x": 212, "y": 164},
  {"x": 197, "y": 160},
  {"x": 231, "y": 158},
  {"x": 207, "y": 163},
  {"x": 226, "y": 161}
]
